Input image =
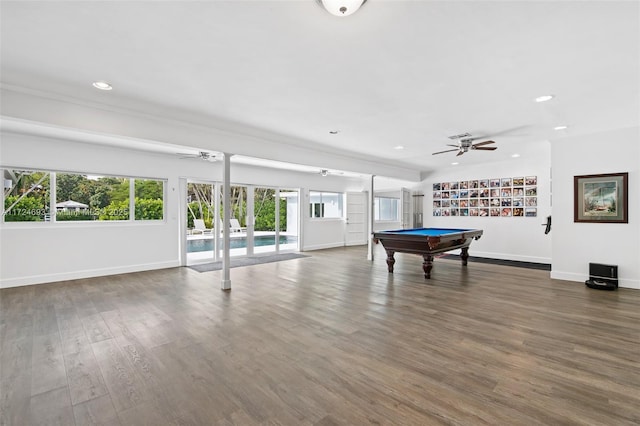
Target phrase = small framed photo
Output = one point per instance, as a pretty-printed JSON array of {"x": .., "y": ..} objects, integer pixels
[
  {"x": 601, "y": 198},
  {"x": 505, "y": 182},
  {"x": 495, "y": 183},
  {"x": 531, "y": 180},
  {"x": 530, "y": 212},
  {"x": 518, "y": 181}
]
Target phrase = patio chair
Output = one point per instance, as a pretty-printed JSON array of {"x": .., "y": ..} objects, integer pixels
[
  {"x": 234, "y": 226},
  {"x": 200, "y": 228}
]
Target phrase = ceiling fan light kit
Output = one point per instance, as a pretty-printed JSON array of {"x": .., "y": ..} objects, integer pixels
[
  {"x": 202, "y": 155},
  {"x": 465, "y": 143},
  {"x": 341, "y": 7}
]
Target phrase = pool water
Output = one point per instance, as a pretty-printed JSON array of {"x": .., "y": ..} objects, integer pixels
[{"x": 262, "y": 240}]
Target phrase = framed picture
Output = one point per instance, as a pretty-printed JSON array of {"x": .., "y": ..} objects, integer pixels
[{"x": 601, "y": 198}]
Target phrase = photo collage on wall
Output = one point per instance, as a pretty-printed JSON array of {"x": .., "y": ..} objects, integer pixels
[{"x": 498, "y": 197}]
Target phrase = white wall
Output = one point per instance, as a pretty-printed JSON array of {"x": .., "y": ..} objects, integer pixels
[
  {"x": 509, "y": 238},
  {"x": 32, "y": 253},
  {"x": 577, "y": 244}
]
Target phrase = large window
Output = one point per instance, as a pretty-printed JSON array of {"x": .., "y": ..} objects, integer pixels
[
  {"x": 26, "y": 196},
  {"x": 387, "y": 209},
  {"x": 83, "y": 197},
  {"x": 325, "y": 204},
  {"x": 149, "y": 199},
  {"x": 72, "y": 197}
]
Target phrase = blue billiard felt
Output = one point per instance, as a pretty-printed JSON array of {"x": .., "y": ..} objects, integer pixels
[{"x": 427, "y": 232}]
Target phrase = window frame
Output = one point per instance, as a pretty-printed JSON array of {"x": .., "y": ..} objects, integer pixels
[
  {"x": 53, "y": 174},
  {"x": 323, "y": 210},
  {"x": 376, "y": 209}
]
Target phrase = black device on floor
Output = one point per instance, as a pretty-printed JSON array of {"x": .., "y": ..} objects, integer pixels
[{"x": 602, "y": 277}]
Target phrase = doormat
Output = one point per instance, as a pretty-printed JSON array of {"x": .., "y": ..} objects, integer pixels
[
  {"x": 246, "y": 261},
  {"x": 517, "y": 264}
]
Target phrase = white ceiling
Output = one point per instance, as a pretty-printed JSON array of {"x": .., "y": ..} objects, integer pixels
[{"x": 404, "y": 73}]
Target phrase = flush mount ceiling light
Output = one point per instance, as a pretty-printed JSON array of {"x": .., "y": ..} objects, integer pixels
[
  {"x": 544, "y": 98},
  {"x": 560, "y": 127},
  {"x": 341, "y": 7},
  {"x": 399, "y": 147},
  {"x": 455, "y": 163},
  {"x": 102, "y": 85},
  {"x": 515, "y": 155}
]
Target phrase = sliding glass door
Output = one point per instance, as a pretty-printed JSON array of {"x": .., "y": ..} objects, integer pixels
[{"x": 263, "y": 220}]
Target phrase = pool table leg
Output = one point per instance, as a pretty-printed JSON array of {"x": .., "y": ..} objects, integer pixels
[
  {"x": 390, "y": 260},
  {"x": 464, "y": 255},
  {"x": 427, "y": 265}
]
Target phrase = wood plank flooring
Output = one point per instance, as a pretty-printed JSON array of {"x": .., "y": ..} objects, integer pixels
[{"x": 331, "y": 339}]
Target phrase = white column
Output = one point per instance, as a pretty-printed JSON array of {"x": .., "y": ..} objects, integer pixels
[
  {"x": 277, "y": 212},
  {"x": 371, "y": 220},
  {"x": 250, "y": 219},
  {"x": 226, "y": 202},
  {"x": 217, "y": 222}
]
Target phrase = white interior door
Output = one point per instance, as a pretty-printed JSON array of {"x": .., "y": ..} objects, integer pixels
[{"x": 356, "y": 219}]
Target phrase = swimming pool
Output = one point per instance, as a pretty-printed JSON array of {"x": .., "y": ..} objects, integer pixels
[{"x": 241, "y": 242}]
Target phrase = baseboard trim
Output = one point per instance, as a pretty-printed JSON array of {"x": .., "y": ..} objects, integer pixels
[
  {"x": 89, "y": 273},
  {"x": 323, "y": 246},
  {"x": 508, "y": 256}
]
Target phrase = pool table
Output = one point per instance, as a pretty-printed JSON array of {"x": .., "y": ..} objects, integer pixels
[{"x": 426, "y": 242}]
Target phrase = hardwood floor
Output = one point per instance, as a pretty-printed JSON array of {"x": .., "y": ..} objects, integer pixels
[{"x": 331, "y": 339}]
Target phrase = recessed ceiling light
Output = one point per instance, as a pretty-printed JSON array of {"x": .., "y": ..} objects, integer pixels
[
  {"x": 102, "y": 85},
  {"x": 399, "y": 147},
  {"x": 333, "y": 132},
  {"x": 455, "y": 163},
  {"x": 515, "y": 155},
  {"x": 560, "y": 127},
  {"x": 544, "y": 98}
]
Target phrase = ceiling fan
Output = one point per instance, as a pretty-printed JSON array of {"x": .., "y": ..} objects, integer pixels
[
  {"x": 465, "y": 143},
  {"x": 202, "y": 155}
]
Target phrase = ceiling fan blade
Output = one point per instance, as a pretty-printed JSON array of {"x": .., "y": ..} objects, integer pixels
[
  {"x": 460, "y": 153},
  {"x": 442, "y": 152},
  {"x": 456, "y": 145},
  {"x": 483, "y": 143},
  {"x": 485, "y": 148}
]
